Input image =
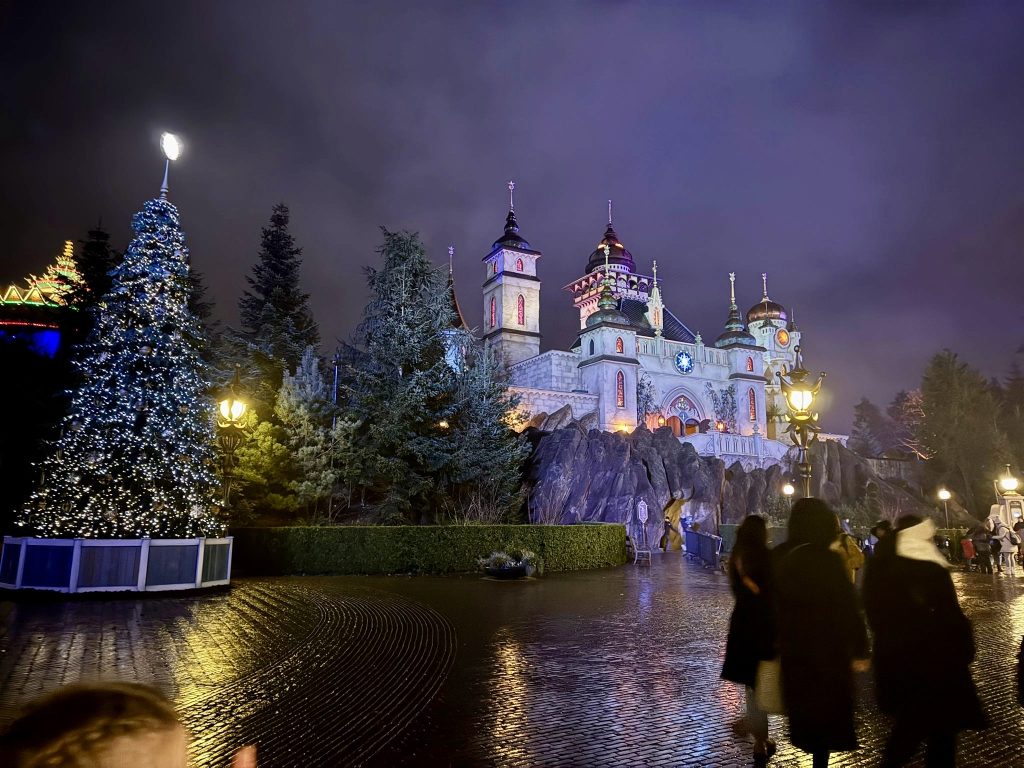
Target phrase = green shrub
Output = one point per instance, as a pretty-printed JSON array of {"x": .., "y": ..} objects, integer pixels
[{"x": 420, "y": 548}]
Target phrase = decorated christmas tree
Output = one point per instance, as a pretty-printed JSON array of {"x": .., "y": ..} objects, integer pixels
[{"x": 136, "y": 456}]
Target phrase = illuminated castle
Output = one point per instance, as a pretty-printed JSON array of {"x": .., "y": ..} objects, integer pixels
[{"x": 633, "y": 359}]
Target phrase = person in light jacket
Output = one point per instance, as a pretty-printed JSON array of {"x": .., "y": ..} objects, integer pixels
[
  {"x": 923, "y": 645},
  {"x": 1007, "y": 547}
]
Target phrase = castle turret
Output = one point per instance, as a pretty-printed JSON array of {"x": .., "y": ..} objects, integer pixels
[{"x": 511, "y": 292}]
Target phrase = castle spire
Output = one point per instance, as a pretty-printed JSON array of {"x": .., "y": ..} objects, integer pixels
[
  {"x": 732, "y": 290},
  {"x": 764, "y": 284},
  {"x": 609, "y": 213},
  {"x": 607, "y": 300},
  {"x": 451, "y": 258},
  {"x": 655, "y": 273},
  {"x": 511, "y": 199}
]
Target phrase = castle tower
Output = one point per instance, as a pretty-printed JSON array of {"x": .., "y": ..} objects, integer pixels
[
  {"x": 609, "y": 367},
  {"x": 511, "y": 292}
]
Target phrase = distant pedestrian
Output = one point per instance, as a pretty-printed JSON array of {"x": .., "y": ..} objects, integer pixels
[
  {"x": 846, "y": 546},
  {"x": 1006, "y": 541},
  {"x": 878, "y": 532},
  {"x": 751, "y": 638},
  {"x": 982, "y": 541},
  {"x": 822, "y": 638},
  {"x": 923, "y": 645}
]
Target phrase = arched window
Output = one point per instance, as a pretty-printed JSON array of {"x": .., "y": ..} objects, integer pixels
[
  {"x": 494, "y": 312},
  {"x": 619, "y": 346},
  {"x": 752, "y": 404},
  {"x": 620, "y": 390},
  {"x": 519, "y": 265},
  {"x": 750, "y": 364},
  {"x": 591, "y": 346},
  {"x": 521, "y": 310}
]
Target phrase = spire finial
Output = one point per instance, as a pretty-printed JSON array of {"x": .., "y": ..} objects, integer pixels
[
  {"x": 607, "y": 253},
  {"x": 732, "y": 289},
  {"x": 451, "y": 257},
  {"x": 609, "y": 212},
  {"x": 655, "y": 273},
  {"x": 764, "y": 283},
  {"x": 511, "y": 200}
]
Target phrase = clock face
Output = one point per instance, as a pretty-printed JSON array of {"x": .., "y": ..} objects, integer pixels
[
  {"x": 782, "y": 337},
  {"x": 684, "y": 362}
]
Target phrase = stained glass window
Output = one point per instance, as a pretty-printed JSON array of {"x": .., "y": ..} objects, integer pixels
[
  {"x": 521, "y": 310},
  {"x": 752, "y": 403},
  {"x": 519, "y": 265},
  {"x": 620, "y": 390},
  {"x": 494, "y": 312},
  {"x": 619, "y": 346},
  {"x": 750, "y": 364}
]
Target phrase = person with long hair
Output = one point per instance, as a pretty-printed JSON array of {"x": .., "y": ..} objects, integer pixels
[
  {"x": 923, "y": 647},
  {"x": 821, "y": 635},
  {"x": 751, "y": 636}
]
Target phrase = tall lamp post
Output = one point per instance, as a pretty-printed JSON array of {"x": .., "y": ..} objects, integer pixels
[
  {"x": 230, "y": 431},
  {"x": 944, "y": 497},
  {"x": 803, "y": 422}
]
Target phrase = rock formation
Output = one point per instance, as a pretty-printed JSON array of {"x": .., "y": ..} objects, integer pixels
[{"x": 580, "y": 475}]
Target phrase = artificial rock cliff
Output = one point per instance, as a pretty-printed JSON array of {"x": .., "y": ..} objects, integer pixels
[{"x": 585, "y": 475}]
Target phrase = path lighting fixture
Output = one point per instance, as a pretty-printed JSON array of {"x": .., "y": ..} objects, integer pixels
[
  {"x": 803, "y": 428},
  {"x": 172, "y": 150},
  {"x": 1008, "y": 482},
  {"x": 944, "y": 497},
  {"x": 231, "y": 430}
]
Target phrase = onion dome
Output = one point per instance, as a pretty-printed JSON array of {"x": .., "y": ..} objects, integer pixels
[
  {"x": 617, "y": 251},
  {"x": 766, "y": 309},
  {"x": 512, "y": 238},
  {"x": 735, "y": 332}
]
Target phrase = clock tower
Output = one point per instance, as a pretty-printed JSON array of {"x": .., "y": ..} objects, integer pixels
[{"x": 511, "y": 292}]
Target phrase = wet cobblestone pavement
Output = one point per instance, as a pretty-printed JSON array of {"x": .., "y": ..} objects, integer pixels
[{"x": 613, "y": 667}]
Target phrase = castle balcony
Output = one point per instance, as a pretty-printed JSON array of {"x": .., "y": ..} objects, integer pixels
[{"x": 751, "y": 451}]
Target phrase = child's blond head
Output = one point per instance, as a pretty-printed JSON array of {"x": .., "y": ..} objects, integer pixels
[{"x": 106, "y": 725}]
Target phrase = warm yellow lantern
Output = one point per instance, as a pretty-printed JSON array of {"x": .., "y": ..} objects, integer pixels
[
  {"x": 232, "y": 409},
  {"x": 788, "y": 489},
  {"x": 944, "y": 495},
  {"x": 1008, "y": 482}
]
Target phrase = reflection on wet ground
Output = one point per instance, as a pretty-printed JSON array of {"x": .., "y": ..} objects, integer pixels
[{"x": 612, "y": 667}]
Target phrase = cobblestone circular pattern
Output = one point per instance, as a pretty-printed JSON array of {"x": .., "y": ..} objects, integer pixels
[{"x": 315, "y": 675}]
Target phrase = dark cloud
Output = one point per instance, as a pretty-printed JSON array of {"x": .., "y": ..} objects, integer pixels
[{"x": 867, "y": 157}]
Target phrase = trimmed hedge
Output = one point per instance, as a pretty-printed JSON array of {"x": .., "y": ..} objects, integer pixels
[{"x": 354, "y": 549}]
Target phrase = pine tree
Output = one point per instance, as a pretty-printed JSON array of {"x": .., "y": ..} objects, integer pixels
[
  {"x": 95, "y": 260},
  {"x": 961, "y": 430},
  {"x": 305, "y": 411},
  {"x": 136, "y": 454},
  {"x": 864, "y": 438},
  {"x": 486, "y": 476},
  {"x": 275, "y": 313},
  {"x": 403, "y": 389}
]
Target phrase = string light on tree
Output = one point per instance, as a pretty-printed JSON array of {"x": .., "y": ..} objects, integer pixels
[{"x": 136, "y": 458}]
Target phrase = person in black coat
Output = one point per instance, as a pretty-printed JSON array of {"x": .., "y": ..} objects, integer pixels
[
  {"x": 821, "y": 635},
  {"x": 751, "y": 636},
  {"x": 923, "y": 646}
]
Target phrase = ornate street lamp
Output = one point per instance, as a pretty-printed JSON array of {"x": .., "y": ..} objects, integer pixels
[
  {"x": 231, "y": 428},
  {"x": 803, "y": 422},
  {"x": 944, "y": 497}
]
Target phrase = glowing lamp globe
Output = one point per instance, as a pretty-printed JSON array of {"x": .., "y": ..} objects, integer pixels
[
  {"x": 800, "y": 398},
  {"x": 944, "y": 495},
  {"x": 170, "y": 145},
  {"x": 788, "y": 489},
  {"x": 443, "y": 424},
  {"x": 1008, "y": 483},
  {"x": 232, "y": 409}
]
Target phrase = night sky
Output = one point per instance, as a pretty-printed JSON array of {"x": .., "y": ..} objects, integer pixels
[{"x": 870, "y": 159}]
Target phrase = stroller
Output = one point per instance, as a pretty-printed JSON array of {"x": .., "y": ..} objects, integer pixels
[{"x": 967, "y": 547}]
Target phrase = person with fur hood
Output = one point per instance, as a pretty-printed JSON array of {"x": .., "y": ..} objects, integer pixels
[{"x": 923, "y": 646}]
